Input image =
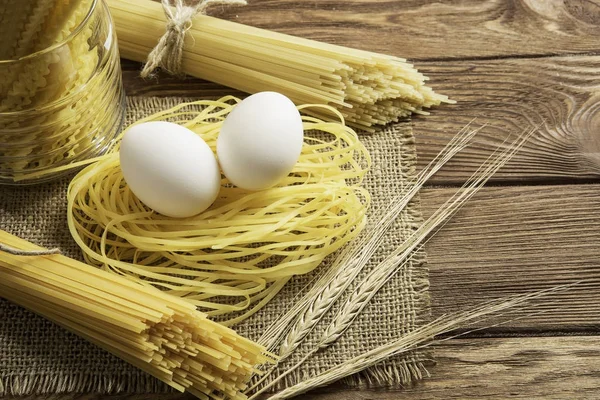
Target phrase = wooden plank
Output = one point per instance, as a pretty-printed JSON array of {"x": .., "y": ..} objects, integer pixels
[
  {"x": 523, "y": 368},
  {"x": 492, "y": 368},
  {"x": 421, "y": 30},
  {"x": 562, "y": 94},
  {"x": 510, "y": 240}
]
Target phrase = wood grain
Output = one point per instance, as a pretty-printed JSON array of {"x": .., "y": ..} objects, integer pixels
[
  {"x": 559, "y": 95},
  {"x": 524, "y": 368},
  {"x": 510, "y": 240},
  {"x": 493, "y": 368},
  {"x": 434, "y": 30}
]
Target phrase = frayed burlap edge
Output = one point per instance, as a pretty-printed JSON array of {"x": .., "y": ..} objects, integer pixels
[{"x": 25, "y": 385}]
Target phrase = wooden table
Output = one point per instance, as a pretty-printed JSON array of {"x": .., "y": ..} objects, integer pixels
[{"x": 511, "y": 65}]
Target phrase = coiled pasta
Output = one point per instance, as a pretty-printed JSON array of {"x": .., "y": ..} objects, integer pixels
[{"x": 234, "y": 257}]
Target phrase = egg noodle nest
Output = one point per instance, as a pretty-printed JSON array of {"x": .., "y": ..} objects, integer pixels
[{"x": 231, "y": 259}]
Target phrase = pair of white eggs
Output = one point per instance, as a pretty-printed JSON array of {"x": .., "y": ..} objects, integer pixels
[{"x": 174, "y": 172}]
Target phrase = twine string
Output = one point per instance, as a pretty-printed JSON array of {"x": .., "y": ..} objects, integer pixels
[
  {"x": 18, "y": 252},
  {"x": 168, "y": 53}
]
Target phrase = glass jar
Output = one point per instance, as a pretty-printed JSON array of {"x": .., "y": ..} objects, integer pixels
[{"x": 61, "y": 101}]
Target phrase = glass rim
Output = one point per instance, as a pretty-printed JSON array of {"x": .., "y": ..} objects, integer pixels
[{"x": 55, "y": 46}]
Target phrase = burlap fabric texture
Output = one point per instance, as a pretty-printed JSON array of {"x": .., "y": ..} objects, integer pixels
[{"x": 38, "y": 357}]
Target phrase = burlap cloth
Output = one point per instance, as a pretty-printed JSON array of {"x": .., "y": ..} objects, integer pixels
[{"x": 38, "y": 357}]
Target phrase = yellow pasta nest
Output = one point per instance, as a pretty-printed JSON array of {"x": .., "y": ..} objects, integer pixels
[{"x": 234, "y": 257}]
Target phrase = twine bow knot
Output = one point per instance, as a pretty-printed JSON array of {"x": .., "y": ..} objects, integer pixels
[{"x": 168, "y": 53}]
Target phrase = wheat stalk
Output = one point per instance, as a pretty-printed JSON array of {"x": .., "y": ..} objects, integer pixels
[
  {"x": 387, "y": 268},
  {"x": 401, "y": 255},
  {"x": 309, "y": 310},
  {"x": 353, "y": 258},
  {"x": 417, "y": 339}
]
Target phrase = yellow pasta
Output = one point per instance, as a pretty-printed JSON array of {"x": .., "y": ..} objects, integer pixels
[
  {"x": 235, "y": 256},
  {"x": 63, "y": 103},
  {"x": 368, "y": 88},
  {"x": 156, "y": 332}
]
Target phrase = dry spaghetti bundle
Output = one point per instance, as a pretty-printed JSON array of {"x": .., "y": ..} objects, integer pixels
[
  {"x": 158, "y": 333},
  {"x": 368, "y": 88},
  {"x": 234, "y": 257}
]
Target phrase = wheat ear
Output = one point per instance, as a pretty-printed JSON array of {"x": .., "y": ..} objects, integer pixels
[
  {"x": 419, "y": 338},
  {"x": 401, "y": 255},
  {"x": 353, "y": 258},
  {"x": 387, "y": 268},
  {"x": 350, "y": 262},
  {"x": 309, "y": 310}
]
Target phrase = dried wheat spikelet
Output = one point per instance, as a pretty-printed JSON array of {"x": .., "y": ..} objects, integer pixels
[
  {"x": 347, "y": 265},
  {"x": 423, "y": 337},
  {"x": 398, "y": 259}
]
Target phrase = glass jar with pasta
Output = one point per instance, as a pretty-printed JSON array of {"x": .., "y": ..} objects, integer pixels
[{"x": 61, "y": 95}]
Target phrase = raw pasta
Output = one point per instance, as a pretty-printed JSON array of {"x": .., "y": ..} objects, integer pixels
[
  {"x": 368, "y": 88},
  {"x": 65, "y": 102},
  {"x": 158, "y": 333},
  {"x": 234, "y": 257}
]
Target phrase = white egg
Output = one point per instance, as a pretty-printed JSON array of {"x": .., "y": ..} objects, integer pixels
[
  {"x": 169, "y": 168},
  {"x": 260, "y": 141}
]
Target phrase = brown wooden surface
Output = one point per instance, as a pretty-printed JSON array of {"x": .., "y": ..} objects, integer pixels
[
  {"x": 440, "y": 30},
  {"x": 558, "y": 95},
  {"x": 511, "y": 64},
  {"x": 510, "y": 239}
]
